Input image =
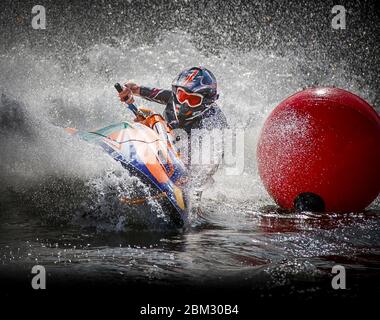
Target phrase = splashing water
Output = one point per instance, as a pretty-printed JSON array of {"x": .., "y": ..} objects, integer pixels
[{"x": 75, "y": 188}]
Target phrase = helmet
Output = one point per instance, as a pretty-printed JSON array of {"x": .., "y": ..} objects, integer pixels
[{"x": 194, "y": 90}]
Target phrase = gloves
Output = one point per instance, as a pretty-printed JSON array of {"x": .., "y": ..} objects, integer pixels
[{"x": 130, "y": 89}]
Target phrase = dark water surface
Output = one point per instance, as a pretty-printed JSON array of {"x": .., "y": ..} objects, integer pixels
[{"x": 231, "y": 245}]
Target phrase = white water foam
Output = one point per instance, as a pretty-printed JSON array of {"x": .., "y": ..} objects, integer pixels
[{"x": 55, "y": 92}]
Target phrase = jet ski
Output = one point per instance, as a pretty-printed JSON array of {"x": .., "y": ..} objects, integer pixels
[{"x": 146, "y": 149}]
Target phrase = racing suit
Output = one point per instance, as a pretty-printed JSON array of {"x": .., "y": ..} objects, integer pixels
[{"x": 211, "y": 118}]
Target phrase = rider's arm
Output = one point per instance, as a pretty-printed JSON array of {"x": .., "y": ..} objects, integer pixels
[{"x": 154, "y": 94}]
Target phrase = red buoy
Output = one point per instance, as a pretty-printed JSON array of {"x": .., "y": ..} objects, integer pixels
[{"x": 320, "y": 150}]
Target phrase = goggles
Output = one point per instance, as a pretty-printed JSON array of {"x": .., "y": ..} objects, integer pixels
[{"x": 193, "y": 99}]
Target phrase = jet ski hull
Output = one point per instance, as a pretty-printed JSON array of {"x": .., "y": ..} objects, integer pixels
[{"x": 142, "y": 152}]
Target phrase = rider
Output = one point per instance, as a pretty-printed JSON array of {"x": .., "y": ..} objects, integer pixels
[
  {"x": 189, "y": 105},
  {"x": 191, "y": 102}
]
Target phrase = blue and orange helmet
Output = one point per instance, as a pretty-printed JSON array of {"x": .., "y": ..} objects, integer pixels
[{"x": 194, "y": 90}]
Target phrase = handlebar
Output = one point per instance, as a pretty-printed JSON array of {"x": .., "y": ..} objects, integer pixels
[{"x": 131, "y": 106}]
